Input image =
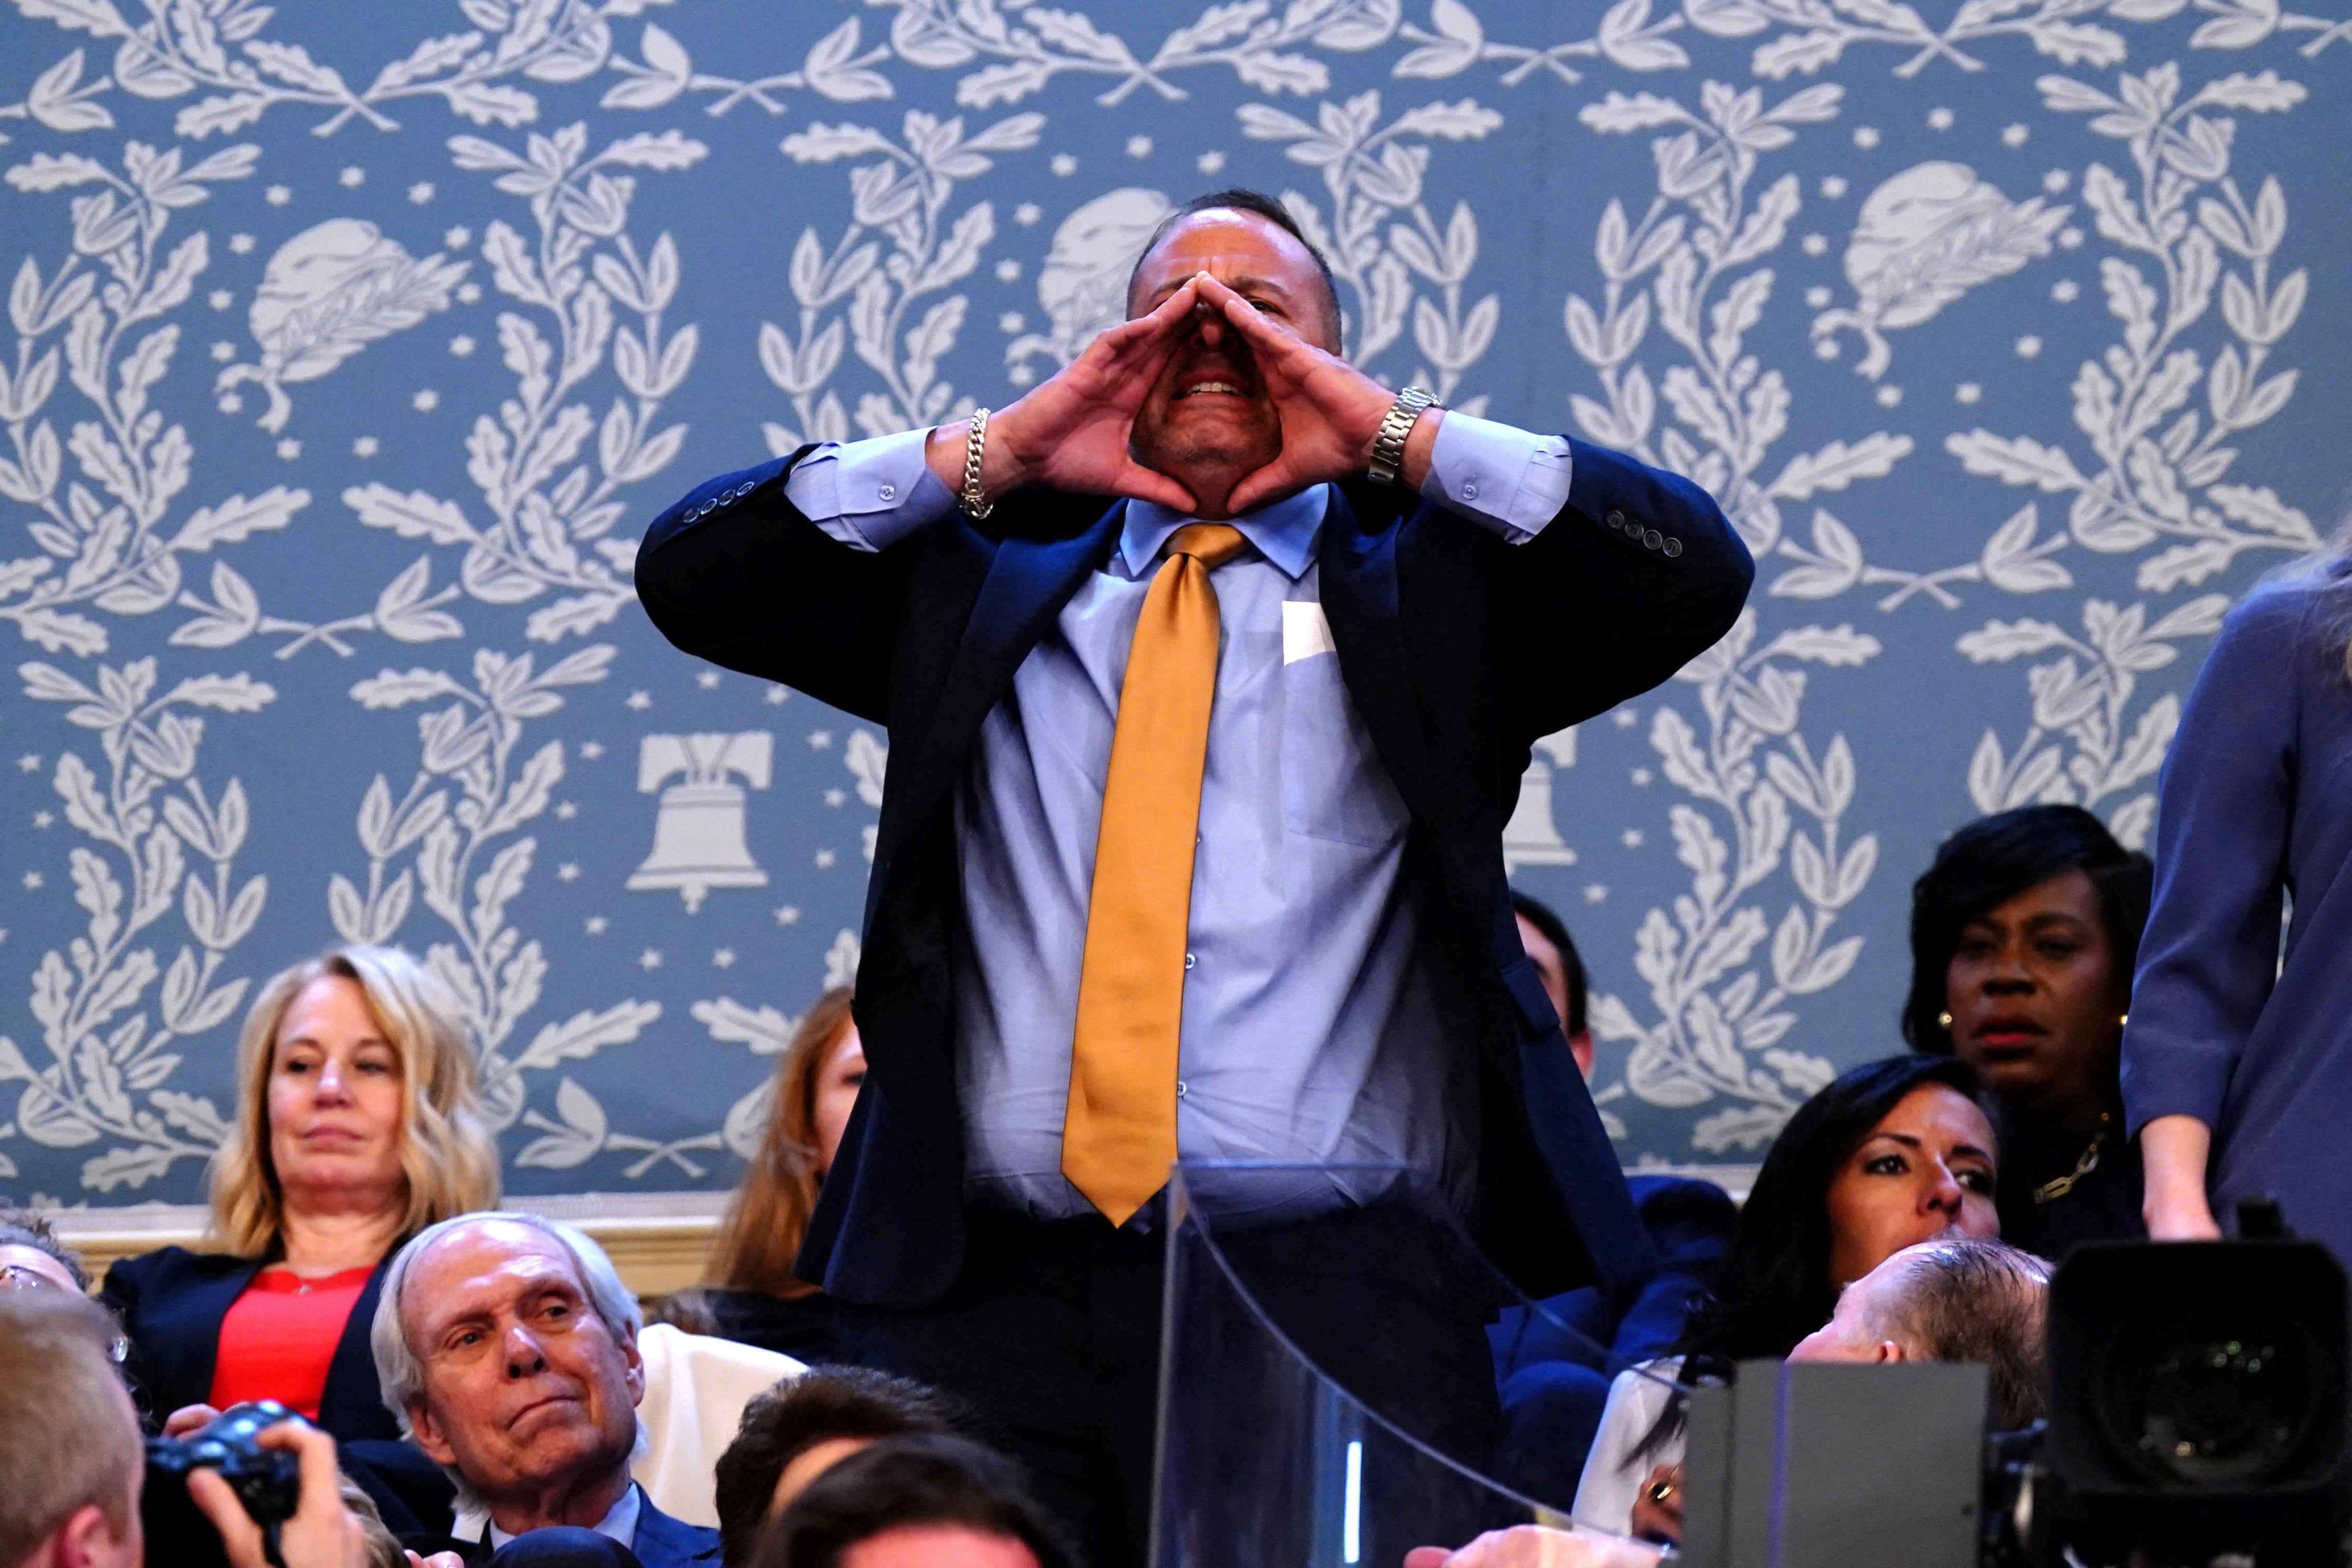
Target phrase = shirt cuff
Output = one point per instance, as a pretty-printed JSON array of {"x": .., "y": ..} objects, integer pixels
[
  {"x": 1498, "y": 476},
  {"x": 870, "y": 494}
]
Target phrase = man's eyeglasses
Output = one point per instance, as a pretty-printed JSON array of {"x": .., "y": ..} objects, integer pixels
[{"x": 17, "y": 1277}]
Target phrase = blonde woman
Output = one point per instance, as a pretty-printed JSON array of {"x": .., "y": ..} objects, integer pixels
[
  {"x": 357, "y": 1126},
  {"x": 752, "y": 1296}
]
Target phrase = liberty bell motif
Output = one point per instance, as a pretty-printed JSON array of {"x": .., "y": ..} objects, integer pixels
[
  {"x": 699, "y": 826},
  {"x": 1530, "y": 838}
]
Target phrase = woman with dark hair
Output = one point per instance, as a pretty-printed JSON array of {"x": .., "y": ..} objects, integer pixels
[
  {"x": 2237, "y": 1070},
  {"x": 2023, "y": 933},
  {"x": 1894, "y": 1153}
]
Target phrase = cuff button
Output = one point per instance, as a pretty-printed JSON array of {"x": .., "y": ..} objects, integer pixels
[
  {"x": 1616, "y": 520},
  {"x": 1652, "y": 539},
  {"x": 1673, "y": 546}
]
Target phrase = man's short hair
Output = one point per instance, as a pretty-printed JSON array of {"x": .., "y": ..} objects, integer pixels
[
  {"x": 1572, "y": 964},
  {"x": 818, "y": 1406},
  {"x": 24, "y": 1227},
  {"x": 401, "y": 1370},
  {"x": 1260, "y": 204},
  {"x": 910, "y": 1483},
  {"x": 67, "y": 1438},
  {"x": 1968, "y": 1300}
]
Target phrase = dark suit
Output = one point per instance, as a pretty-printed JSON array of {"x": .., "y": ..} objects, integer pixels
[
  {"x": 1459, "y": 651},
  {"x": 661, "y": 1542},
  {"x": 171, "y": 1303},
  {"x": 1554, "y": 1369}
]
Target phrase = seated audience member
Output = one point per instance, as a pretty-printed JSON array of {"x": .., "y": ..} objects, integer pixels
[
  {"x": 357, "y": 1126},
  {"x": 72, "y": 1468},
  {"x": 508, "y": 1347},
  {"x": 1893, "y": 1153},
  {"x": 1553, "y": 1367},
  {"x": 1955, "y": 1298},
  {"x": 916, "y": 1502},
  {"x": 31, "y": 1256},
  {"x": 751, "y": 1294},
  {"x": 800, "y": 1428},
  {"x": 2024, "y": 934},
  {"x": 1952, "y": 1300}
]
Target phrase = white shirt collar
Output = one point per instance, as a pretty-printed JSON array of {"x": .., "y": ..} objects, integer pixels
[
  {"x": 620, "y": 1524},
  {"x": 1284, "y": 531}
]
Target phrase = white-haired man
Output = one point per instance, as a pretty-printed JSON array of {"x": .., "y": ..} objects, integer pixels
[{"x": 508, "y": 1348}]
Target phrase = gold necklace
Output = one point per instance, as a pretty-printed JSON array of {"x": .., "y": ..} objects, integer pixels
[{"x": 2058, "y": 1187}]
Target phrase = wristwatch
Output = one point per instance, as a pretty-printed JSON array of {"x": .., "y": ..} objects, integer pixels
[{"x": 1388, "y": 447}]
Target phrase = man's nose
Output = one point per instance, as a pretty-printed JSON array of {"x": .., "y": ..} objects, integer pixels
[
  {"x": 524, "y": 1358},
  {"x": 1208, "y": 325}
]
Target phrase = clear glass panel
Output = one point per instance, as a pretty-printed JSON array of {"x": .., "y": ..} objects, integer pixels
[{"x": 1269, "y": 1450}]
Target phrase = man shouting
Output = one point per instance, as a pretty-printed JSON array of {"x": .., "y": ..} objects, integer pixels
[{"x": 1211, "y": 666}]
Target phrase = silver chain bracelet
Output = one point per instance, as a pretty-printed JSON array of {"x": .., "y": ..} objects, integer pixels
[{"x": 974, "y": 504}]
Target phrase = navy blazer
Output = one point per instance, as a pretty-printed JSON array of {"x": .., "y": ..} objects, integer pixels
[
  {"x": 1689, "y": 1225},
  {"x": 171, "y": 1303},
  {"x": 661, "y": 1543},
  {"x": 1460, "y": 651}
]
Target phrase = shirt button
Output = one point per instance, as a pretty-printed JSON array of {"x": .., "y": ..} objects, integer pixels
[
  {"x": 1180, "y": 1089},
  {"x": 1653, "y": 538},
  {"x": 1470, "y": 489},
  {"x": 1188, "y": 961},
  {"x": 888, "y": 492},
  {"x": 1616, "y": 520},
  {"x": 1673, "y": 546}
]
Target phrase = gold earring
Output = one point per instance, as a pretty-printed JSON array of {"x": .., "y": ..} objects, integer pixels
[
  {"x": 1943, "y": 1020},
  {"x": 2123, "y": 1019}
]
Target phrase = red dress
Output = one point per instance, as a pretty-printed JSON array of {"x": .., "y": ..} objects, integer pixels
[{"x": 279, "y": 1338}]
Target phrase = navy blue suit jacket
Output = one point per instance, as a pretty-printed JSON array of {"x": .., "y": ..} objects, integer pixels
[
  {"x": 1689, "y": 1224},
  {"x": 1460, "y": 651}
]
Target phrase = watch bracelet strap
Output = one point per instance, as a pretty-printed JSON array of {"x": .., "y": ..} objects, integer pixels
[
  {"x": 975, "y": 504},
  {"x": 1396, "y": 428}
]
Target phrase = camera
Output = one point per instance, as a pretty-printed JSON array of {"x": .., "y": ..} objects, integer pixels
[
  {"x": 268, "y": 1482},
  {"x": 2200, "y": 1409}
]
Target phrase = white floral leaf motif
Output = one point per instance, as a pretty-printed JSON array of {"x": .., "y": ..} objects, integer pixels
[{"x": 587, "y": 1032}]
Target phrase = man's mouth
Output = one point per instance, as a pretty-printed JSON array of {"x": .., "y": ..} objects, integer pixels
[{"x": 1221, "y": 388}]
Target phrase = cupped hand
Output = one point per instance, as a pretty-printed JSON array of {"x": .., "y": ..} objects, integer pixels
[
  {"x": 1330, "y": 410},
  {"x": 322, "y": 1534},
  {"x": 189, "y": 1419},
  {"x": 1071, "y": 433}
]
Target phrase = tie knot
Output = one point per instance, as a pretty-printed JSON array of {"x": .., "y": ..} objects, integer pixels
[{"x": 1210, "y": 544}]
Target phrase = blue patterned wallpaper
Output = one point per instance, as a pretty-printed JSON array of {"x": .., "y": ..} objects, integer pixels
[{"x": 354, "y": 343}]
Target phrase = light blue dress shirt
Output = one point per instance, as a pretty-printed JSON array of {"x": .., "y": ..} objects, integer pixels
[
  {"x": 619, "y": 1523},
  {"x": 1311, "y": 1032}
]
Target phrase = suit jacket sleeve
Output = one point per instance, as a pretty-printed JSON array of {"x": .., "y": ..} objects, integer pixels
[
  {"x": 1638, "y": 575},
  {"x": 735, "y": 574},
  {"x": 1689, "y": 1225}
]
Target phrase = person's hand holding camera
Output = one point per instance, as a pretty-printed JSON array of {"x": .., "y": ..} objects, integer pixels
[{"x": 322, "y": 1534}]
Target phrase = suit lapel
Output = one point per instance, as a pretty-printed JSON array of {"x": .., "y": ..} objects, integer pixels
[
  {"x": 1028, "y": 583},
  {"x": 1360, "y": 591}
]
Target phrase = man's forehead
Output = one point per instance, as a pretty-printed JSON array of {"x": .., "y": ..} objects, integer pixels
[
  {"x": 1230, "y": 234},
  {"x": 493, "y": 1257}
]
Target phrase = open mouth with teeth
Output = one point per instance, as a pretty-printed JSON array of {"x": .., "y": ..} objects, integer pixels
[{"x": 1219, "y": 388}]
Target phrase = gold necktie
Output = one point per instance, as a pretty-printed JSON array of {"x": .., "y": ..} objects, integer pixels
[{"x": 1120, "y": 1137}]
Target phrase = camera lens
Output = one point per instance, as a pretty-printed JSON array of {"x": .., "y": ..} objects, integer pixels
[{"x": 2210, "y": 1398}]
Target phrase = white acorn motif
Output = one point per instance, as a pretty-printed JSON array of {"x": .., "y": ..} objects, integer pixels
[
  {"x": 1083, "y": 283},
  {"x": 329, "y": 293},
  {"x": 1924, "y": 238}
]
